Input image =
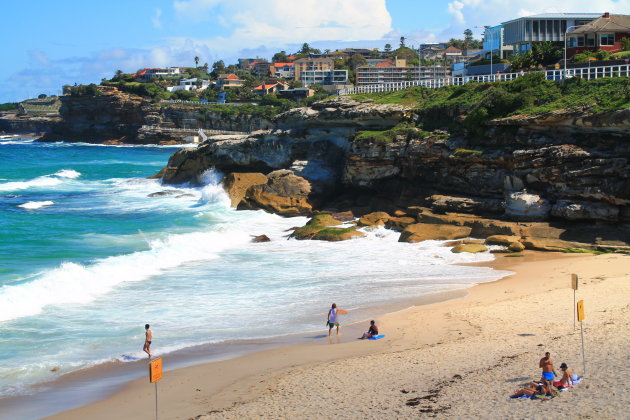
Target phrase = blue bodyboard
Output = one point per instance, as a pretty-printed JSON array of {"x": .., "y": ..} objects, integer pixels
[{"x": 377, "y": 337}]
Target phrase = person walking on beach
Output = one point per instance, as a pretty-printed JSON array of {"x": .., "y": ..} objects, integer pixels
[
  {"x": 333, "y": 321},
  {"x": 148, "y": 336},
  {"x": 546, "y": 364}
]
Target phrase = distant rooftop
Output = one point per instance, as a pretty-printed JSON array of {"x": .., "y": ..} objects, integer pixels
[{"x": 558, "y": 16}]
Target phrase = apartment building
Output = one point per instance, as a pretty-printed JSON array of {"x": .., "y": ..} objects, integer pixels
[
  {"x": 520, "y": 33},
  {"x": 324, "y": 77},
  {"x": 285, "y": 70},
  {"x": 396, "y": 71},
  {"x": 309, "y": 65}
]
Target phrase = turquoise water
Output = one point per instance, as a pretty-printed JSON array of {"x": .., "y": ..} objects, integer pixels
[{"x": 87, "y": 258}]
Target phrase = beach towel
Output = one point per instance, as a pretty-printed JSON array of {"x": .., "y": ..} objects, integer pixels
[
  {"x": 377, "y": 337},
  {"x": 572, "y": 384}
]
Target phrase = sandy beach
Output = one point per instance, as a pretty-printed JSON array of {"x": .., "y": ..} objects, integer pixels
[{"x": 454, "y": 359}]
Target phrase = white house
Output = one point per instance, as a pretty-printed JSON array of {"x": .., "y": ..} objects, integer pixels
[{"x": 190, "y": 85}]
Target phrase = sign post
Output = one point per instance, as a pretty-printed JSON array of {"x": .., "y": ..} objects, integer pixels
[
  {"x": 580, "y": 317},
  {"x": 574, "y": 286},
  {"x": 155, "y": 374}
]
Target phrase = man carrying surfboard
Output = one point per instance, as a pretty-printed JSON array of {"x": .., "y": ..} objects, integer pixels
[{"x": 333, "y": 321}]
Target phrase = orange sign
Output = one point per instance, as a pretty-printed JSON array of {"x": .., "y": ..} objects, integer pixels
[
  {"x": 155, "y": 370},
  {"x": 574, "y": 281},
  {"x": 580, "y": 310}
]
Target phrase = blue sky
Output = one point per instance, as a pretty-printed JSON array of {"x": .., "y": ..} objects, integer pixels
[{"x": 49, "y": 43}]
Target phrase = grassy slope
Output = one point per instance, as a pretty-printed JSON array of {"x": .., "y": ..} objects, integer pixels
[
  {"x": 530, "y": 94},
  {"x": 476, "y": 103}
]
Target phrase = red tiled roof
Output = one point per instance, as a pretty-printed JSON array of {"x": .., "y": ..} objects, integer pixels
[
  {"x": 452, "y": 49},
  {"x": 232, "y": 77},
  {"x": 384, "y": 64},
  {"x": 282, "y": 64}
]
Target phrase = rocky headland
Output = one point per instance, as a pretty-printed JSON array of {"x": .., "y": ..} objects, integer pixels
[{"x": 552, "y": 181}]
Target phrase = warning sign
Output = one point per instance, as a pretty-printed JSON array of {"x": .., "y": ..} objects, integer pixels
[
  {"x": 155, "y": 370},
  {"x": 580, "y": 310}
]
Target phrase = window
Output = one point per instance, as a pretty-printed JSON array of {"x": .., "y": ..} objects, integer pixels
[
  {"x": 607, "y": 39},
  {"x": 535, "y": 29},
  {"x": 590, "y": 40},
  {"x": 580, "y": 41}
]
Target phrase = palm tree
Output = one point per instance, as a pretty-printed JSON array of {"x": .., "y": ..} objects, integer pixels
[{"x": 196, "y": 61}]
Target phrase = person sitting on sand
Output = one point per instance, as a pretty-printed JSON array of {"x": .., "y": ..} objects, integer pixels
[
  {"x": 332, "y": 319},
  {"x": 566, "y": 379},
  {"x": 528, "y": 390},
  {"x": 147, "y": 340},
  {"x": 372, "y": 332},
  {"x": 546, "y": 364}
]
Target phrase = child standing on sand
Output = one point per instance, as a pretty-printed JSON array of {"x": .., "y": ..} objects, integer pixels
[{"x": 332, "y": 319}]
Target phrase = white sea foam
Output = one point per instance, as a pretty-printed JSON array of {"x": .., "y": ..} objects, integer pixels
[
  {"x": 34, "y": 205},
  {"x": 41, "y": 181},
  {"x": 73, "y": 283}
]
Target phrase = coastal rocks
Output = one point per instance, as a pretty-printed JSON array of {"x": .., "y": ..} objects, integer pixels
[
  {"x": 164, "y": 193},
  {"x": 548, "y": 244},
  {"x": 524, "y": 206},
  {"x": 470, "y": 248},
  {"x": 237, "y": 184},
  {"x": 319, "y": 228},
  {"x": 503, "y": 240},
  {"x": 516, "y": 247},
  {"x": 325, "y": 220},
  {"x": 399, "y": 223},
  {"x": 583, "y": 210},
  {"x": 480, "y": 227},
  {"x": 423, "y": 231},
  {"x": 110, "y": 115},
  {"x": 260, "y": 238},
  {"x": 377, "y": 218},
  {"x": 446, "y": 203},
  {"x": 284, "y": 193}
]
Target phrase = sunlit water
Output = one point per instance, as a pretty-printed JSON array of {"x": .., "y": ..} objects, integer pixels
[{"x": 87, "y": 258}]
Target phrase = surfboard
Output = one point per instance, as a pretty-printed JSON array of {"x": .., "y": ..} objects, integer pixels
[
  {"x": 342, "y": 312},
  {"x": 377, "y": 337}
]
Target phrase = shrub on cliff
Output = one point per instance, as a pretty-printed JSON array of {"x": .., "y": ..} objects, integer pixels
[
  {"x": 403, "y": 130},
  {"x": 470, "y": 106}
]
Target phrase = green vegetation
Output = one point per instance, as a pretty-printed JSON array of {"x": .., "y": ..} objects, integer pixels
[
  {"x": 83, "y": 90},
  {"x": 541, "y": 54},
  {"x": 8, "y": 106},
  {"x": 401, "y": 131},
  {"x": 466, "y": 152},
  {"x": 476, "y": 103}
]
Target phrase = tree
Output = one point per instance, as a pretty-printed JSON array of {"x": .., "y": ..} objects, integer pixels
[
  {"x": 468, "y": 37},
  {"x": 357, "y": 60},
  {"x": 388, "y": 48},
  {"x": 42, "y": 96},
  {"x": 280, "y": 57},
  {"x": 402, "y": 41},
  {"x": 218, "y": 67},
  {"x": 205, "y": 67},
  {"x": 196, "y": 61},
  {"x": 305, "y": 49}
]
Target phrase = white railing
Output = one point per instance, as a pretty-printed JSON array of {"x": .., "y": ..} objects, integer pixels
[
  {"x": 179, "y": 101},
  {"x": 583, "y": 72},
  {"x": 191, "y": 130}
]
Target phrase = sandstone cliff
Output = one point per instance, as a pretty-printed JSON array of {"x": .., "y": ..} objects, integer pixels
[{"x": 518, "y": 171}]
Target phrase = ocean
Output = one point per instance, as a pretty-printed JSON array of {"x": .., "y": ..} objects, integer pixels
[{"x": 87, "y": 258}]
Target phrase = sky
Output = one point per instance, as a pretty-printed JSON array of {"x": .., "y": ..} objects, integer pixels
[{"x": 45, "y": 44}]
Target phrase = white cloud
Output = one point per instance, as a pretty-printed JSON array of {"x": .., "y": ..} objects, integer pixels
[
  {"x": 279, "y": 22},
  {"x": 155, "y": 20},
  {"x": 470, "y": 13}
]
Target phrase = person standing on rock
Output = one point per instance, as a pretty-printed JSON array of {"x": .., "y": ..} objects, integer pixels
[{"x": 333, "y": 321}]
